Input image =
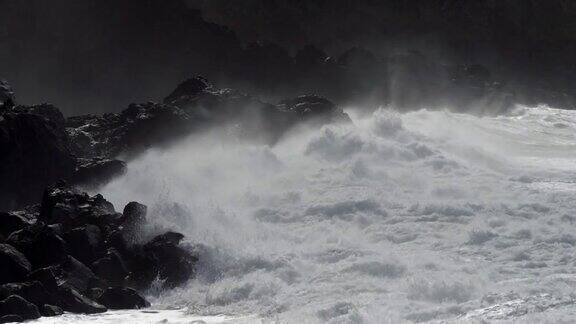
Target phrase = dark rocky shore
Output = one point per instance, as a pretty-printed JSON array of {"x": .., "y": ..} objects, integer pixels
[{"x": 62, "y": 250}]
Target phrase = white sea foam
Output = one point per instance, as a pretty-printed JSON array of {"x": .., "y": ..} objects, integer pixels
[{"x": 414, "y": 217}]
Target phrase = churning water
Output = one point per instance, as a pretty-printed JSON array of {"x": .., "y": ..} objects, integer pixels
[{"x": 426, "y": 216}]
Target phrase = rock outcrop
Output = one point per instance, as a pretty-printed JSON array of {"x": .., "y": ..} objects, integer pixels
[
  {"x": 38, "y": 146},
  {"x": 75, "y": 253},
  {"x": 34, "y": 153}
]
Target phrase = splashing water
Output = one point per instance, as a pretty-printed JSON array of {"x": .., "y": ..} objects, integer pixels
[{"x": 414, "y": 217}]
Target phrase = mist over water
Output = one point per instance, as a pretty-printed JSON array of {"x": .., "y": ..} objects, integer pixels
[{"x": 413, "y": 217}]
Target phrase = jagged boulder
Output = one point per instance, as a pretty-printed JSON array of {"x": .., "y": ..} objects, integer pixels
[
  {"x": 41, "y": 245},
  {"x": 15, "y": 266},
  {"x": 188, "y": 90},
  {"x": 310, "y": 107},
  {"x": 111, "y": 268},
  {"x": 48, "y": 111},
  {"x": 80, "y": 251},
  {"x": 33, "y": 291},
  {"x": 174, "y": 264},
  {"x": 78, "y": 276},
  {"x": 16, "y": 305},
  {"x": 122, "y": 298},
  {"x": 130, "y": 132},
  {"x": 51, "y": 310},
  {"x": 64, "y": 205},
  {"x": 75, "y": 302},
  {"x": 48, "y": 277},
  {"x": 84, "y": 243},
  {"x": 13, "y": 221},
  {"x": 134, "y": 216}
]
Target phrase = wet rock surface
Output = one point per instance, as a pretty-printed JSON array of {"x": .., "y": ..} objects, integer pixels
[
  {"x": 18, "y": 308},
  {"x": 122, "y": 298},
  {"x": 75, "y": 253}
]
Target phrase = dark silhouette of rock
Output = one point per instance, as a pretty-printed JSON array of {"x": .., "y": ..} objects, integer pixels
[
  {"x": 33, "y": 291},
  {"x": 111, "y": 268},
  {"x": 16, "y": 305},
  {"x": 15, "y": 266},
  {"x": 13, "y": 221},
  {"x": 84, "y": 243},
  {"x": 173, "y": 264},
  {"x": 75, "y": 302},
  {"x": 134, "y": 216},
  {"x": 312, "y": 107},
  {"x": 34, "y": 153},
  {"x": 48, "y": 276},
  {"x": 48, "y": 111},
  {"x": 78, "y": 276},
  {"x": 51, "y": 311},
  {"x": 11, "y": 319},
  {"x": 40, "y": 244},
  {"x": 97, "y": 171},
  {"x": 64, "y": 205},
  {"x": 122, "y": 298},
  {"x": 130, "y": 132},
  {"x": 80, "y": 252},
  {"x": 95, "y": 293},
  {"x": 188, "y": 90}
]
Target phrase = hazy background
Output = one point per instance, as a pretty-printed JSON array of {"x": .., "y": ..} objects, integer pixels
[{"x": 100, "y": 55}]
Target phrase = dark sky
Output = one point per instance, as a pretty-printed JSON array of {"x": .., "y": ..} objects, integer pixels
[{"x": 100, "y": 55}]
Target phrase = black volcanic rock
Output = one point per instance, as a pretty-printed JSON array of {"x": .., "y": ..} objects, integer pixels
[
  {"x": 84, "y": 242},
  {"x": 15, "y": 266},
  {"x": 130, "y": 132},
  {"x": 34, "y": 153},
  {"x": 51, "y": 310},
  {"x": 16, "y": 305},
  {"x": 134, "y": 215},
  {"x": 40, "y": 244},
  {"x": 34, "y": 292},
  {"x": 75, "y": 302},
  {"x": 122, "y": 298},
  {"x": 195, "y": 105},
  {"x": 83, "y": 256},
  {"x": 48, "y": 111},
  {"x": 78, "y": 276},
  {"x": 13, "y": 221},
  {"x": 187, "y": 90},
  {"x": 174, "y": 264},
  {"x": 64, "y": 205},
  {"x": 311, "y": 107},
  {"x": 111, "y": 268},
  {"x": 97, "y": 171},
  {"x": 48, "y": 277}
]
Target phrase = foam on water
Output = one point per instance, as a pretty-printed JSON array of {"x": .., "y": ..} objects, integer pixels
[{"x": 415, "y": 217}]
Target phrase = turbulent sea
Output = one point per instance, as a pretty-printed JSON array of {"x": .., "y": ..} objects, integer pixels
[{"x": 426, "y": 217}]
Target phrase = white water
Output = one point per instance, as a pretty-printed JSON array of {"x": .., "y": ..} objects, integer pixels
[{"x": 423, "y": 216}]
